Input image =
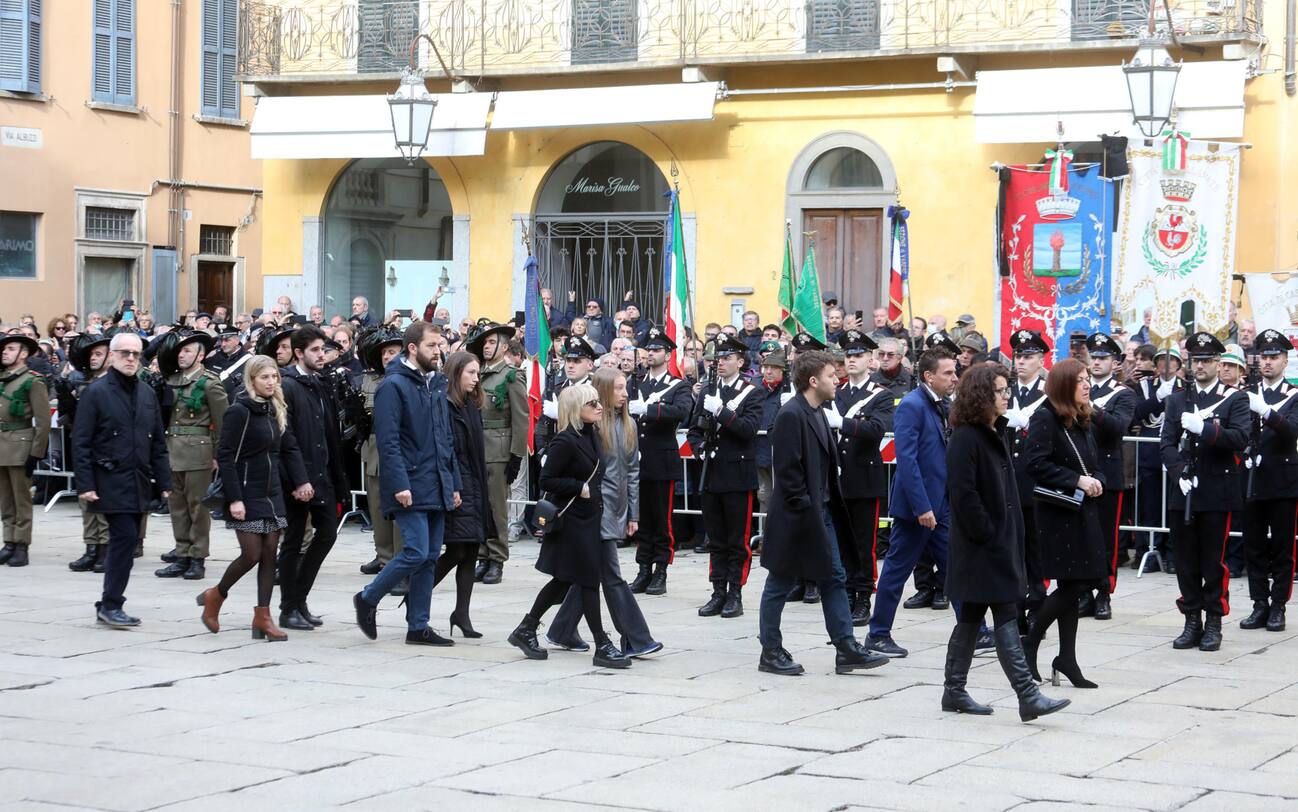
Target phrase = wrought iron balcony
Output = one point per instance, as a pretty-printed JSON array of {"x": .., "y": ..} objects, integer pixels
[{"x": 500, "y": 37}]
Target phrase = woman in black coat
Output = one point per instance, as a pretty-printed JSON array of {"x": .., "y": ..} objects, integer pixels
[
  {"x": 255, "y": 453},
  {"x": 1061, "y": 456},
  {"x": 471, "y": 522},
  {"x": 572, "y": 555},
  {"x": 985, "y": 565}
]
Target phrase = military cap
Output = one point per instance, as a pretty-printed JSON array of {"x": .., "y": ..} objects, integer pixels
[
  {"x": 941, "y": 340},
  {"x": 579, "y": 347},
  {"x": 656, "y": 339},
  {"x": 79, "y": 350},
  {"x": 1272, "y": 342},
  {"x": 1102, "y": 345},
  {"x": 774, "y": 357},
  {"x": 805, "y": 341},
  {"x": 856, "y": 342},
  {"x": 726, "y": 344},
  {"x": 1025, "y": 342},
  {"x": 1234, "y": 354},
  {"x": 973, "y": 341},
  {"x": 1204, "y": 345},
  {"x": 1172, "y": 351},
  {"x": 479, "y": 334}
]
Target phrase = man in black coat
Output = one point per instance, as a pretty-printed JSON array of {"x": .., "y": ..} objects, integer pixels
[
  {"x": 808, "y": 532},
  {"x": 1155, "y": 380},
  {"x": 660, "y": 402},
  {"x": 1112, "y": 408},
  {"x": 1205, "y": 429},
  {"x": 1027, "y": 393},
  {"x": 866, "y": 410},
  {"x": 724, "y": 434},
  {"x": 119, "y": 451},
  {"x": 1273, "y": 497},
  {"x": 313, "y": 417}
]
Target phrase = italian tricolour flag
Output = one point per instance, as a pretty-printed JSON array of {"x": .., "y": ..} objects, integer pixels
[{"x": 676, "y": 285}]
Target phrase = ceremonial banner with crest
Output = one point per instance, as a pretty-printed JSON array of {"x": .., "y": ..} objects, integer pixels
[
  {"x": 1275, "y": 306},
  {"x": 1054, "y": 248},
  {"x": 1176, "y": 234}
]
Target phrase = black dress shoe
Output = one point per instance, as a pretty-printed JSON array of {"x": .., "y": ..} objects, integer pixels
[
  {"x": 19, "y": 558},
  {"x": 1211, "y": 640},
  {"x": 861, "y": 610},
  {"x": 139, "y": 547},
  {"x": 1274, "y": 622},
  {"x": 852, "y": 656},
  {"x": 713, "y": 607},
  {"x": 196, "y": 570},
  {"x": 495, "y": 570},
  {"x": 812, "y": 594},
  {"x": 115, "y": 618},
  {"x": 734, "y": 605},
  {"x": 372, "y": 567},
  {"x": 1103, "y": 607},
  {"x": 940, "y": 602},
  {"x": 427, "y": 637},
  {"x": 292, "y": 619},
  {"x": 797, "y": 593},
  {"x": 641, "y": 581},
  {"x": 885, "y": 646},
  {"x": 1169, "y": 566},
  {"x": 480, "y": 570},
  {"x": 366, "y": 617},
  {"x": 1086, "y": 605},
  {"x": 1257, "y": 618},
  {"x": 314, "y": 620},
  {"x": 658, "y": 583},
  {"x": 701, "y": 548},
  {"x": 175, "y": 569},
  {"x": 778, "y": 661},
  {"x": 608, "y": 655},
  {"x": 921, "y": 599},
  {"x": 170, "y": 557}
]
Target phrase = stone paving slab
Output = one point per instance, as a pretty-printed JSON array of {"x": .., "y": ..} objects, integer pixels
[{"x": 171, "y": 717}]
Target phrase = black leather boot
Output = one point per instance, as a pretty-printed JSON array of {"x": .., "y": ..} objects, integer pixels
[
  {"x": 1103, "y": 607},
  {"x": 1009, "y": 650},
  {"x": 1211, "y": 639},
  {"x": 495, "y": 571},
  {"x": 608, "y": 655},
  {"x": 920, "y": 600},
  {"x": 641, "y": 581},
  {"x": 372, "y": 567},
  {"x": 1086, "y": 605},
  {"x": 734, "y": 605},
  {"x": 1257, "y": 618},
  {"x": 941, "y": 602},
  {"x": 1274, "y": 621},
  {"x": 812, "y": 593},
  {"x": 524, "y": 637},
  {"x": 86, "y": 562},
  {"x": 713, "y": 607},
  {"x": 170, "y": 557},
  {"x": 959, "y": 656},
  {"x": 101, "y": 558},
  {"x": 480, "y": 570},
  {"x": 797, "y": 593},
  {"x": 19, "y": 558},
  {"x": 1191, "y": 634},
  {"x": 196, "y": 571},
  {"x": 292, "y": 619},
  {"x": 175, "y": 569},
  {"x": 852, "y": 656},
  {"x": 658, "y": 583},
  {"x": 6, "y": 553},
  {"x": 778, "y": 661},
  {"x": 861, "y": 610}
]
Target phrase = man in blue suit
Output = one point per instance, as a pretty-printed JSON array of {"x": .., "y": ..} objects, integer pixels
[{"x": 919, "y": 503}]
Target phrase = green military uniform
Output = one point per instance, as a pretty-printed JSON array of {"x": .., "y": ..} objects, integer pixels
[
  {"x": 505, "y": 423},
  {"x": 24, "y": 433},
  {"x": 192, "y": 436},
  {"x": 387, "y": 537}
]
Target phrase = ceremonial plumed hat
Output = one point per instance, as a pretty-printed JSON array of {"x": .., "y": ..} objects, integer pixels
[
  {"x": 19, "y": 338},
  {"x": 168, "y": 348},
  {"x": 269, "y": 337},
  {"x": 79, "y": 350},
  {"x": 478, "y": 336},
  {"x": 369, "y": 347}
]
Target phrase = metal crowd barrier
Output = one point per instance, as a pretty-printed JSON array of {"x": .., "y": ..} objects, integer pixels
[{"x": 55, "y": 463}]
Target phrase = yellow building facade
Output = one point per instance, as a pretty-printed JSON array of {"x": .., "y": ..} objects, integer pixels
[{"x": 813, "y": 131}]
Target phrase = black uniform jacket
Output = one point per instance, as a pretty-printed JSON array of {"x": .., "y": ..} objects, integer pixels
[
  {"x": 805, "y": 460},
  {"x": 1277, "y": 475},
  {"x": 867, "y": 417},
  {"x": 1113, "y": 408},
  {"x": 1215, "y": 456},
  {"x": 118, "y": 447},
  {"x": 1033, "y": 397},
  {"x": 986, "y": 554},
  {"x": 668, "y": 404},
  {"x": 732, "y": 456},
  {"x": 313, "y": 418}
]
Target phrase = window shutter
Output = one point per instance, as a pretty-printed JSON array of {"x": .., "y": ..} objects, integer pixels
[
  {"x": 229, "y": 90},
  {"x": 220, "y": 93},
  {"x": 113, "y": 63},
  {"x": 20, "y": 45}
]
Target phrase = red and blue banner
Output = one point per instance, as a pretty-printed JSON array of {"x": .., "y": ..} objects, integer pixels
[{"x": 1055, "y": 254}]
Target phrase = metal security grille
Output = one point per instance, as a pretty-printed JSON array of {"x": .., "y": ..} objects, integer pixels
[
  {"x": 103, "y": 223},
  {"x": 603, "y": 258},
  {"x": 842, "y": 25},
  {"x": 604, "y": 31},
  {"x": 1109, "y": 19},
  {"x": 386, "y": 31},
  {"x": 216, "y": 240}
]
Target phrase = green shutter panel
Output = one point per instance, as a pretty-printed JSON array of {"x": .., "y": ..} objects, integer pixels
[
  {"x": 211, "y": 59},
  {"x": 229, "y": 90}
]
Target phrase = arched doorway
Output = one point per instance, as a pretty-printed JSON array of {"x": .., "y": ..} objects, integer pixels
[
  {"x": 838, "y": 189},
  {"x": 385, "y": 222},
  {"x": 599, "y": 223}
]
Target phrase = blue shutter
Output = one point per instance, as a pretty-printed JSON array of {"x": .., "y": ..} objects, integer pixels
[
  {"x": 229, "y": 53},
  {"x": 113, "y": 61},
  {"x": 20, "y": 46},
  {"x": 220, "y": 40}
]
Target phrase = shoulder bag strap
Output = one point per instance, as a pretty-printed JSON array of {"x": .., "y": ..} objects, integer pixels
[{"x": 1069, "y": 437}]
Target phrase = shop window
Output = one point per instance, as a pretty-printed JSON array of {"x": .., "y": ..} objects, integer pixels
[
  {"x": 842, "y": 25},
  {"x": 219, "y": 90},
  {"x": 387, "y": 27},
  {"x": 103, "y": 223},
  {"x": 604, "y": 31},
  {"x": 843, "y": 168},
  {"x": 218, "y": 240},
  {"x": 17, "y": 245},
  {"x": 20, "y": 46}
]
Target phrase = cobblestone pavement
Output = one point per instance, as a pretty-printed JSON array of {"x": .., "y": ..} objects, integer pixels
[{"x": 171, "y": 717}]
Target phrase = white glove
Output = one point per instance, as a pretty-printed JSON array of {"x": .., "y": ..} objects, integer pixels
[
  {"x": 785, "y": 397},
  {"x": 835, "y": 419},
  {"x": 713, "y": 404},
  {"x": 1248, "y": 461},
  {"x": 1164, "y": 389},
  {"x": 637, "y": 407},
  {"x": 655, "y": 397},
  {"x": 1192, "y": 423},
  {"x": 1016, "y": 418},
  {"x": 1186, "y": 485},
  {"x": 550, "y": 409},
  {"x": 1258, "y": 404}
]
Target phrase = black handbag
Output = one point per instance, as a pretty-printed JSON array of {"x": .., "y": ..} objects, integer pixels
[
  {"x": 1058, "y": 497},
  {"x": 548, "y": 516},
  {"x": 214, "y": 496}
]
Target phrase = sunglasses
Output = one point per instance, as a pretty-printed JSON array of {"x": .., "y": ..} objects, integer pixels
[
  {"x": 128, "y": 353},
  {"x": 594, "y": 404},
  {"x": 59, "y": 327}
]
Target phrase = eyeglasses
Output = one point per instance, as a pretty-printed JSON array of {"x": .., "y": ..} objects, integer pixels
[
  {"x": 594, "y": 404},
  {"x": 887, "y": 355},
  {"x": 59, "y": 327},
  {"x": 128, "y": 353},
  {"x": 1002, "y": 391}
]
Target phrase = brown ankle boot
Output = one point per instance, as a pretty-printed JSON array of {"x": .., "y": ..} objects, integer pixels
[
  {"x": 211, "y": 600},
  {"x": 263, "y": 628}
]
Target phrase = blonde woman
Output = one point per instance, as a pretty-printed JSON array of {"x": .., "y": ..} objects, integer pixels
[
  {"x": 621, "y": 492},
  {"x": 573, "y": 472},
  {"x": 256, "y": 449}
]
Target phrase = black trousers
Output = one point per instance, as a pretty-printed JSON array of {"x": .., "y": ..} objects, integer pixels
[
  {"x": 1270, "y": 560},
  {"x": 1199, "y": 549},
  {"x": 1032, "y": 558},
  {"x": 655, "y": 541},
  {"x": 926, "y": 573},
  {"x": 864, "y": 515},
  {"x": 298, "y": 570},
  {"x": 728, "y": 518},
  {"x": 1110, "y": 510},
  {"x": 123, "y": 535}
]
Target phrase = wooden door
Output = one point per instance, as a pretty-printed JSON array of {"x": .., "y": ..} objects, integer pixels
[
  {"x": 215, "y": 286},
  {"x": 849, "y": 255}
]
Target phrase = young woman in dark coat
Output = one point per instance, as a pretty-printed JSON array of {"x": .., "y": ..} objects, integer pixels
[
  {"x": 256, "y": 452},
  {"x": 985, "y": 567},
  {"x": 470, "y": 523},
  {"x": 572, "y": 555},
  {"x": 1062, "y": 455}
]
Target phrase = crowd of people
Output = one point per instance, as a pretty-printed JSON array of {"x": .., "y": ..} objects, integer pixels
[{"x": 1008, "y": 479}]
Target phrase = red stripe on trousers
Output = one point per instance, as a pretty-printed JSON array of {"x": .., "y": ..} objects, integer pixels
[
  {"x": 1289, "y": 575},
  {"x": 874, "y": 541},
  {"x": 1225, "y": 571},
  {"x": 671, "y": 536},
  {"x": 748, "y": 550},
  {"x": 1113, "y": 562}
]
